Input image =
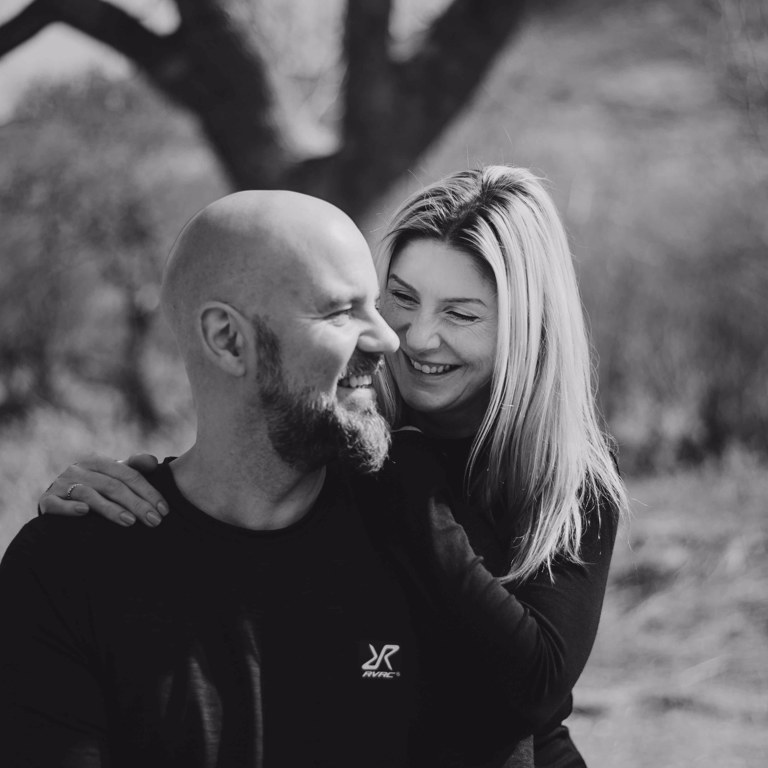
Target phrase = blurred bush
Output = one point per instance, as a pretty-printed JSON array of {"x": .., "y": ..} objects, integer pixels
[
  {"x": 649, "y": 120},
  {"x": 88, "y": 202}
]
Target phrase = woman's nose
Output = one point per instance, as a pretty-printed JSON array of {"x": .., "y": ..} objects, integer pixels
[{"x": 422, "y": 335}]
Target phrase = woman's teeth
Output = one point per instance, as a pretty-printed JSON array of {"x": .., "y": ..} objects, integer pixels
[
  {"x": 352, "y": 382},
  {"x": 430, "y": 369}
]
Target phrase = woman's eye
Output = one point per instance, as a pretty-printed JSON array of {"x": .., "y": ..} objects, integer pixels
[
  {"x": 462, "y": 317},
  {"x": 402, "y": 298}
]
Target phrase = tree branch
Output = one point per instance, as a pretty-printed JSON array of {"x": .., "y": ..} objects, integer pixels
[
  {"x": 100, "y": 20},
  {"x": 31, "y": 20},
  {"x": 437, "y": 81},
  {"x": 214, "y": 64},
  {"x": 368, "y": 82},
  {"x": 394, "y": 111},
  {"x": 116, "y": 28},
  {"x": 234, "y": 93}
]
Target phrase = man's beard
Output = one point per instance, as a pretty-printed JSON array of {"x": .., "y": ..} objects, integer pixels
[{"x": 308, "y": 431}]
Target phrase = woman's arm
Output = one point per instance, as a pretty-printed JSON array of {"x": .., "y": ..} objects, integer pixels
[
  {"x": 531, "y": 641},
  {"x": 115, "y": 489},
  {"x": 538, "y": 637}
]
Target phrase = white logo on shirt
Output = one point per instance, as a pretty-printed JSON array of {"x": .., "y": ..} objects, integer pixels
[{"x": 372, "y": 667}]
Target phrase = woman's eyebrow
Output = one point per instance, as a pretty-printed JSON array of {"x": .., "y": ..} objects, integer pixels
[
  {"x": 393, "y": 276},
  {"x": 448, "y": 300},
  {"x": 463, "y": 300}
]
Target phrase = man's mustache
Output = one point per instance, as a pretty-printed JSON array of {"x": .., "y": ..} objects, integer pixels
[{"x": 363, "y": 364}]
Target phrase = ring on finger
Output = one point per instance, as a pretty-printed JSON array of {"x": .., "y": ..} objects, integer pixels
[{"x": 71, "y": 488}]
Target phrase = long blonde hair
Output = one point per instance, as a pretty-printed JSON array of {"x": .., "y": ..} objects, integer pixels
[{"x": 540, "y": 453}]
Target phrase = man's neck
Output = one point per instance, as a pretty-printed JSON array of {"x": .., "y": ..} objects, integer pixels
[{"x": 259, "y": 493}]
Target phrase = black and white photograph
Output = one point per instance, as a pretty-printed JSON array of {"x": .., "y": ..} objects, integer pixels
[{"x": 383, "y": 384}]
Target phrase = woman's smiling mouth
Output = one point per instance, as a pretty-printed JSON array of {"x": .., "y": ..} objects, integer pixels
[{"x": 431, "y": 369}]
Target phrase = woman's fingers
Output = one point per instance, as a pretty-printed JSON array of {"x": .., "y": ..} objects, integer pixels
[
  {"x": 142, "y": 462},
  {"x": 111, "y": 488},
  {"x": 53, "y": 505},
  {"x": 120, "y": 484},
  {"x": 50, "y": 504}
]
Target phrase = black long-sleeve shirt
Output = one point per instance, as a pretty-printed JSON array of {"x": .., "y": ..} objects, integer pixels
[
  {"x": 535, "y": 637},
  {"x": 202, "y": 645},
  {"x": 209, "y": 645}
]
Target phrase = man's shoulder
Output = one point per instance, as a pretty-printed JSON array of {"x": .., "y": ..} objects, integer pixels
[
  {"x": 50, "y": 553},
  {"x": 54, "y": 538},
  {"x": 51, "y": 534},
  {"x": 88, "y": 542}
]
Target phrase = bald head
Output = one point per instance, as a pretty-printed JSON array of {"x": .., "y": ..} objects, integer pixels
[
  {"x": 251, "y": 250},
  {"x": 272, "y": 296}
]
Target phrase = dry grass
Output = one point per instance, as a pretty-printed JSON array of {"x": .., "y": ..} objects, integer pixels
[
  {"x": 679, "y": 674},
  {"x": 33, "y": 452}
]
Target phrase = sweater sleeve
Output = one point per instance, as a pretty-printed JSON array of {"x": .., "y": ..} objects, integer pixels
[
  {"x": 51, "y": 707},
  {"x": 530, "y": 641}
]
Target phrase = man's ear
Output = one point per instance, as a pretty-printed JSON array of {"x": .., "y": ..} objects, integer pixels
[{"x": 223, "y": 332}]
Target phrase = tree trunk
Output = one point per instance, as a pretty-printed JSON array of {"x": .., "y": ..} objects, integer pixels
[
  {"x": 130, "y": 377},
  {"x": 213, "y": 65}
]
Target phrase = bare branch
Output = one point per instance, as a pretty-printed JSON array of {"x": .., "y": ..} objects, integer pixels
[
  {"x": 455, "y": 55},
  {"x": 368, "y": 83},
  {"x": 215, "y": 65},
  {"x": 98, "y": 19},
  {"x": 194, "y": 13},
  {"x": 114, "y": 27},
  {"x": 33, "y": 19},
  {"x": 231, "y": 89},
  {"x": 395, "y": 110}
]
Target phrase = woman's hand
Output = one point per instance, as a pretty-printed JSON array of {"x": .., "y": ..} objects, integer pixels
[{"x": 115, "y": 489}]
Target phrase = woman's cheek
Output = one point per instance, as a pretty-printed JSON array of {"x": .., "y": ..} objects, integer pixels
[{"x": 393, "y": 317}]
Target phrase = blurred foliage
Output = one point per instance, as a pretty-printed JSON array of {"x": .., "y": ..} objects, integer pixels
[
  {"x": 84, "y": 175},
  {"x": 649, "y": 119}
]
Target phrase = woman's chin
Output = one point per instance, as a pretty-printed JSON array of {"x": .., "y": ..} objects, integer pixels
[{"x": 421, "y": 402}]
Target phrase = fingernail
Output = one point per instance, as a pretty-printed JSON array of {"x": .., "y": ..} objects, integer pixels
[
  {"x": 127, "y": 518},
  {"x": 162, "y": 508},
  {"x": 154, "y": 518},
  {"x": 81, "y": 509}
]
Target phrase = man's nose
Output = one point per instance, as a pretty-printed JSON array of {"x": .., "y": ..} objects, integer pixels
[{"x": 379, "y": 338}]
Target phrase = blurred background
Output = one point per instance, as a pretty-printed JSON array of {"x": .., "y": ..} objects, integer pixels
[{"x": 649, "y": 122}]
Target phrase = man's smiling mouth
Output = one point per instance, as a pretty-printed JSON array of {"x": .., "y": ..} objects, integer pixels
[
  {"x": 359, "y": 373},
  {"x": 355, "y": 382},
  {"x": 430, "y": 369}
]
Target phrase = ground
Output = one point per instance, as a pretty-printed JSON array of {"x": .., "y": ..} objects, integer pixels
[{"x": 679, "y": 674}]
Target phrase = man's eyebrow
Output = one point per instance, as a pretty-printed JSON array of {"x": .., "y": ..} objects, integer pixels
[
  {"x": 336, "y": 302},
  {"x": 448, "y": 300}
]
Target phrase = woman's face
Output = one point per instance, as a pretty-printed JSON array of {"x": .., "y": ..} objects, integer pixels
[{"x": 444, "y": 312}]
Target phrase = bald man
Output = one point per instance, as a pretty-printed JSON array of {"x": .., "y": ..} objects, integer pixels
[
  {"x": 262, "y": 624},
  {"x": 272, "y": 298},
  {"x": 298, "y": 608}
]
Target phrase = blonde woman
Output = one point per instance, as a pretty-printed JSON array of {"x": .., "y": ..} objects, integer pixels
[{"x": 495, "y": 430}]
